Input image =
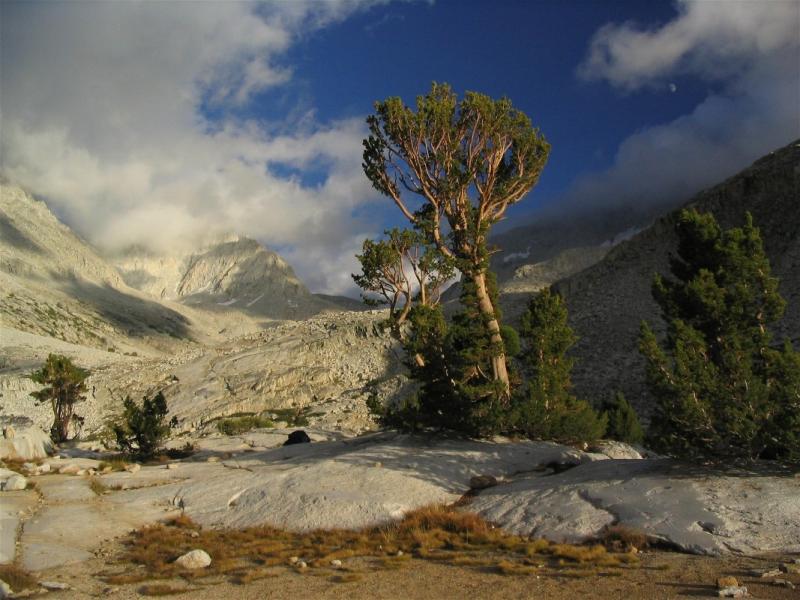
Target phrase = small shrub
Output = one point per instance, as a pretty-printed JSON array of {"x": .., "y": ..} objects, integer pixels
[
  {"x": 620, "y": 538},
  {"x": 145, "y": 428}
]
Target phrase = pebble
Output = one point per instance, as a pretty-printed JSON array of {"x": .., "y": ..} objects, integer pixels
[
  {"x": 54, "y": 585},
  {"x": 293, "y": 560},
  {"x": 133, "y": 468},
  {"x": 172, "y": 466},
  {"x": 301, "y": 564},
  {"x": 336, "y": 564},
  {"x": 733, "y": 592}
]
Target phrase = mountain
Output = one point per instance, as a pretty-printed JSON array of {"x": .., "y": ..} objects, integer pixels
[
  {"x": 608, "y": 301},
  {"x": 235, "y": 273},
  {"x": 55, "y": 285}
]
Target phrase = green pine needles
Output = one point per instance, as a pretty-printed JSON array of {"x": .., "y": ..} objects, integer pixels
[
  {"x": 144, "y": 428},
  {"x": 65, "y": 386},
  {"x": 547, "y": 409},
  {"x": 722, "y": 389}
]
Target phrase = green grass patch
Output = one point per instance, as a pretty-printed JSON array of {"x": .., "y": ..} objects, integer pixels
[{"x": 237, "y": 425}]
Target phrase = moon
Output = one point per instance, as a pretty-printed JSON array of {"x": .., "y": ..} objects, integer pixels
[{"x": 673, "y": 88}]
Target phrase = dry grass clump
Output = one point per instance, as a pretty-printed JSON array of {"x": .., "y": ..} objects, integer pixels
[
  {"x": 432, "y": 533},
  {"x": 621, "y": 538},
  {"x": 17, "y": 578},
  {"x": 160, "y": 589}
]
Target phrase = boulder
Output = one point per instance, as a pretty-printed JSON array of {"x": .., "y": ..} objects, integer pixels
[
  {"x": 196, "y": 559},
  {"x": 26, "y": 444},
  {"x": 616, "y": 450},
  {"x": 297, "y": 437},
  {"x": 11, "y": 481}
]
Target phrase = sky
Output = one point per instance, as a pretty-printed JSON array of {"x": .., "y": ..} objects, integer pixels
[{"x": 167, "y": 124}]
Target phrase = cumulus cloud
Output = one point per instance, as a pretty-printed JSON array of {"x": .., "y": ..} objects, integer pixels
[
  {"x": 101, "y": 107},
  {"x": 747, "y": 51}
]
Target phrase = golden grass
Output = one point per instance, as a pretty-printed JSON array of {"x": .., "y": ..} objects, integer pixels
[
  {"x": 436, "y": 533},
  {"x": 160, "y": 589},
  {"x": 17, "y": 578}
]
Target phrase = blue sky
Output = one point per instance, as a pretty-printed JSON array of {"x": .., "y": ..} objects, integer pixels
[{"x": 167, "y": 124}]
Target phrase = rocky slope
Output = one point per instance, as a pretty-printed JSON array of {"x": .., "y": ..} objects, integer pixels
[
  {"x": 56, "y": 285},
  {"x": 608, "y": 301},
  {"x": 235, "y": 273}
]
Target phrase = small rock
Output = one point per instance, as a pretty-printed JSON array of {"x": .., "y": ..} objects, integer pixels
[
  {"x": 336, "y": 564},
  {"x": 5, "y": 590},
  {"x": 196, "y": 559},
  {"x": 172, "y": 465},
  {"x": 107, "y": 469},
  {"x": 765, "y": 573},
  {"x": 8, "y": 432},
  {"x": 783, "y": 582},
  {"x": 399, "y": 553},
  {"x": 194, "y": 534},
  {"x": 297, "y": 437},
  {"x": 70, "y": 469},
  {"x": 481, "y": 482},
  {"x": 54, "y": 585},
  {"x": 293, "y": 560},
  {"x": 133, "y": 468},
  {"x": 733, "y": 592},
  {"x": 726, "y": 582},
  {"x": 212, "y": 459},
  {"x": 81, "y": 472},
  {"x": 301, "y": 564}
]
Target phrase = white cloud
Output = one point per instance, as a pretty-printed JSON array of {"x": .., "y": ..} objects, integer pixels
[
  {"x": 707, "y": 38},
  {"x": 100, "y": 106},
  {"x": 748, "y": 49}
]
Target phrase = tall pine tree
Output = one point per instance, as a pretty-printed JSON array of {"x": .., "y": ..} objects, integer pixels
[
  {"x": 546, "y": 409},
  {"x": 721, "y": 389}
]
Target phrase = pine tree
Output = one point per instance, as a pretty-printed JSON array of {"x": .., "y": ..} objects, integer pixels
[
  {"x": 66, "y": 386},
  {"x": 721, "y": 389},
  {"x": 453, "y": 168},
  {"x": 623, "y": 422},
  {"x": 547, "y": 409},
  {"x": 144, "y": 428},
  {"x": 458, "y": 391}
]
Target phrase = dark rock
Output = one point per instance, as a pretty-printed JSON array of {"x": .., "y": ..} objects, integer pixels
[
  {"x": 297, "y": 437},
  {"x": 481, "y": 482}
]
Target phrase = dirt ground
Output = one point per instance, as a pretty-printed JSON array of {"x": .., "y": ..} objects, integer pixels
[{"x": 659, "y": 575}]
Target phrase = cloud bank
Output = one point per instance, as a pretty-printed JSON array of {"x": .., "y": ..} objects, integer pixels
[
  {"x": 746, "y": 52},
  {"x": 102, "y": 108}
]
